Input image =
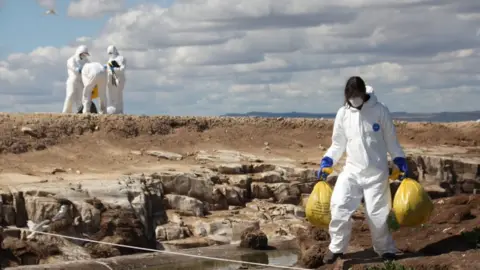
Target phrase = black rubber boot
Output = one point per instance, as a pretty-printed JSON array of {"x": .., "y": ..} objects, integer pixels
[
  {"x": 331, "y": 257},
  {"x": 389, "y": 257},
  {"x": 93, "y": 109}
]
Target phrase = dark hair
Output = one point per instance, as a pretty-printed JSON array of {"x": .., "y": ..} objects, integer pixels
[{"x": 355, "y": 87}]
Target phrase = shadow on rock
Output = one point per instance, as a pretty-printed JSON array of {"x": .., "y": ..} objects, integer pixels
[
  {"x": 367, "y": 256},
  {"x": 18, "y": 252},
  {"x": 118, "y": 226},
  {"x": 461, "y": 243}
]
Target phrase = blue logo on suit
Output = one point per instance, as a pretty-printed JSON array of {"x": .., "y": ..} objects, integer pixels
[{"x": 376, "y": 127}]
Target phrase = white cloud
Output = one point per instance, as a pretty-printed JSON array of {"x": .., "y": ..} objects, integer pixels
[
  {"x": 94, "y": 8},
  {"x": 15, "y": 77},
  {"x": 212, "y": 57},
  {"x": 48, "y": 4},
  {"x": 83, "y": 39}
]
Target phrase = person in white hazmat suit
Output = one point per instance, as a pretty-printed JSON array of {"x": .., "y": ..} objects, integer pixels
[
  {"x": 115, "y": 85},
  {"x": 94, "y": 74},
  {"x": 74, "y": 82},
  {"x": 364, "y": 128}
]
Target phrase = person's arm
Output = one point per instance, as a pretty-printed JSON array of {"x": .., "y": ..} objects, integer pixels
[
  {"x": 339, "y": 138},
  {"x": 390, "y": 135},
  {"x": 73, "y": 65},
  {"x": 122, "y": 62}
]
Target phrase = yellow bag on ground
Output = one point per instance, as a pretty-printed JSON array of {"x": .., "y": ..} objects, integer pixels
[
  {"x": 317, "y": 210},
  {"x": 412, "y": 205},
  {"x": 95, "y": 92}
]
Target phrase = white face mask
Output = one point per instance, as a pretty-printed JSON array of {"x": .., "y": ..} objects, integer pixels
[
  {"x": 83, "y": 56},
  {"x": 356, "y": 102}
]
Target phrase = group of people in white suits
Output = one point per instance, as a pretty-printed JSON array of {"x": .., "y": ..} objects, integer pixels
[{"x": 85, "y": 76}]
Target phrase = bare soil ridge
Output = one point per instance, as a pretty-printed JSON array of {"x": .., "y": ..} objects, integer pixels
[{"x": 32, "y": 132}]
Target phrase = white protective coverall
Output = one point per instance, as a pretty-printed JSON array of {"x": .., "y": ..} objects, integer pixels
[
  {"x": 94, "y": 74},
  {"x": 367, "y": 135},
  {"x": 74, "y": 81},
  {"x": 115, "y": 93}
]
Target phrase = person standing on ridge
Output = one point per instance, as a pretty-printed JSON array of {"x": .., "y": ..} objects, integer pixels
[
  {"x": 74, "y": 82},
  {"x": 364, "y": 128},
  {"x": 94, "y": 74},
  {"x": 116, "y": 80}
]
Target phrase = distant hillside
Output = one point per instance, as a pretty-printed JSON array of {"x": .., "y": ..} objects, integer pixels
[{"x": 412, "y": 117}]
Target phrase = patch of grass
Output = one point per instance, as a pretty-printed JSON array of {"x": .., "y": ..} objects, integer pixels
[
  {"x": 392, "y": 222},
  {"x": 390, "y": 266}
]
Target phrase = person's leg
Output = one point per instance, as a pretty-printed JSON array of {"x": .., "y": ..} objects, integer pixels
[
  {"x": 78, "y": 95},
  {"x": 345, "y": 200},
  {"x": 120, "y": 87},
  {"x": 69, "y": 98},
  {"x": 378, "y": 205},
  {"x": 93, "y": 108},
  {"x": 87, "y": 94},
  {"x": 102, "y": 93},
  {"x": 80, "y": 109},
  {"x": 111, "y": 93}
]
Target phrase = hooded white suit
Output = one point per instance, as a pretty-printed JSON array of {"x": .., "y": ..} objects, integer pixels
[
  {"x": 74, "y": 81},
  {"x": 115, "y": 93},
  {"x": 94, "y": 74},
  {"x": 367, "y": 135}
]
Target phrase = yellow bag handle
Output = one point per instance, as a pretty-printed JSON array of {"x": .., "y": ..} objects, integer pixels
[
  {"x": 394, "y": 173},
  {"x": 326, "y": 171}
]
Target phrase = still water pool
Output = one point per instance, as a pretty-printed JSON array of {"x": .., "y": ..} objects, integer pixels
[{"x": 274, "y": 257}]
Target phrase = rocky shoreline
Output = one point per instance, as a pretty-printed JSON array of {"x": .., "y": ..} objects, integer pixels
[{"x": 211, "y": 203}]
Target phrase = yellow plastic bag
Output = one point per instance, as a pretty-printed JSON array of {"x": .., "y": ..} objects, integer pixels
[
  {"x": 95, "y": 92},
  {"x": 412, "y": 205},
  {"x": 317, "y": 210}
]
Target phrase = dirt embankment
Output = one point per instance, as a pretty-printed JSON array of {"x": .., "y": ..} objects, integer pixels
[
  {"x": 53, "y": 129},
  {"x": 104, "y": 143},
  {"x": 450, "y": 240}
]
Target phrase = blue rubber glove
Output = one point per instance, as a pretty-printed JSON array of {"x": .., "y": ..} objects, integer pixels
[
  {"x": 401, "y": 163},
  {"x": 326, "y": 162},
  {"x": 108, "y": 66}
]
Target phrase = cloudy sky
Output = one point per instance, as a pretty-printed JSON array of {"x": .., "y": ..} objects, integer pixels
[{"x": 209, "y": 57}]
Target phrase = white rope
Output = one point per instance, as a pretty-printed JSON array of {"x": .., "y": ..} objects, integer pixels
[
  {"x": 104, "y": 264},
  {"x": 169, "y": 252}
]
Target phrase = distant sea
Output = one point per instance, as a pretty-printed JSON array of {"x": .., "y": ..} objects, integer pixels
[{"x": 411, "y": 117}]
